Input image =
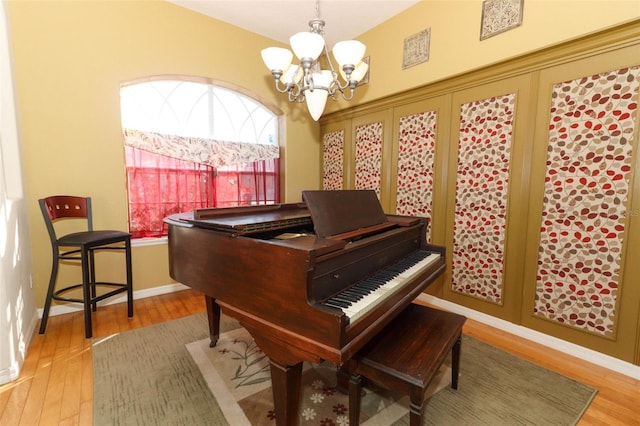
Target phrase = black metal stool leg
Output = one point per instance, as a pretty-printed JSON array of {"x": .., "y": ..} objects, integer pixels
[
  {"x": 127, "y": 250},
  {"x": 47, "y": 302},
  {"x": 92, "y": 279},
  {"x": 86, "y": 292}
]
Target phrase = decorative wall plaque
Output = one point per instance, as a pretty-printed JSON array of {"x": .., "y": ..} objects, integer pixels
[
  {"x": 499, "y": 16},
  {"x": 416, "y": 49}
]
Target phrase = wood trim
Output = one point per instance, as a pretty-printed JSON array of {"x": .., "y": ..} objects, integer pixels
[
  {"x": 583, "y": 56},
  {"x": 604, "y": 41}
]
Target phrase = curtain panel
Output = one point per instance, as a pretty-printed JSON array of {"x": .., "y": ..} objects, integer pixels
[{"x": 209, "y": 152}]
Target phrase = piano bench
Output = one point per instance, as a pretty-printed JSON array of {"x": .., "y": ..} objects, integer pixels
[{"x": 406, "y": 355}]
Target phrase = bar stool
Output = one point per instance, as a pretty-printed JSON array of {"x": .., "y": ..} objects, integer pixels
[
  {"x": 81, "y": 246},
  {"x": 406, "y": 355}
]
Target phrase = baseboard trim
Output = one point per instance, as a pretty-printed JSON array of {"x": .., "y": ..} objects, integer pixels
[
  {"x": 137, "y": 294},
  {"x": 12, "y": 372},
  {"x": 572, "y": 349},
  {"x": 9, "y": 374}
]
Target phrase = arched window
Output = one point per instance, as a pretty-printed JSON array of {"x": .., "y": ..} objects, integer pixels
[{"x": 193, "y": 144}]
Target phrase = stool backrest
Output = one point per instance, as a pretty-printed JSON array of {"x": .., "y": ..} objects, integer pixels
[{"x": 65, "y": 206}]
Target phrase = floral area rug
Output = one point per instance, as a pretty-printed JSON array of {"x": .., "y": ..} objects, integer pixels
[
  {"x": 155, "y": 376},
  {"x": 237, "y": 373}
]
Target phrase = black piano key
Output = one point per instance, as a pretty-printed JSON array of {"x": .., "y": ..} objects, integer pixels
[
  {"x": 341, "y": 298},
  {"x": 331, "y": 305},
  {"x": 337, "y": 303},
  {"x": 356, "y": 292},
  {"x": 350, "y": 296},
  {"x": 380, "y": 279},
  {"x": 354, "y": 297},
  {"x": 369, "y": 285},
  {"x": 359, "y": 290}
]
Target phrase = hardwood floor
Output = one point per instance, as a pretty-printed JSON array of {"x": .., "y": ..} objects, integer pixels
[{"x": 55, "y": 386}]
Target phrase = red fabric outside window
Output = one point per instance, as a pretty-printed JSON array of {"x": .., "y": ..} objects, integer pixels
[{"x": 159, "y": 186}]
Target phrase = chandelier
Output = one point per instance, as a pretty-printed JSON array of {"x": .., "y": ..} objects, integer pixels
[{"x": 307, "y": 81}]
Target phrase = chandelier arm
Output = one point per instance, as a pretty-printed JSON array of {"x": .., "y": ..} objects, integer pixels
[
  {"x": 333, "y": 88},
  {"x": 344, "y": 86},
  {"x": 282, "y": 87},
  {"x": 295, "y": 92},
  {"x": 334, "y": 74},
  {"x": 350, "y": 96},
  {"x": 326, "y": 54}
]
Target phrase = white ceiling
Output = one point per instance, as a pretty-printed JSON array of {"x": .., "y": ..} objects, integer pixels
[{"x": 280, "y": 19}]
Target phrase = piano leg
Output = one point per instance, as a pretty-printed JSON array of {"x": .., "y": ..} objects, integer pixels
[
  {"x": 213, "y": 313},
  {"x": 285, "y": 380},
  {"x": 285, "y": 363}
]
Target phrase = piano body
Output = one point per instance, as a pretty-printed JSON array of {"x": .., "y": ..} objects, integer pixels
[{"x": 290, "y": 274}]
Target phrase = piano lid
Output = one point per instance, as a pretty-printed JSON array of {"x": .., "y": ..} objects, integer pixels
[
  {"x": 342, "y": 211},
  {"x": 251, "y": 219}
]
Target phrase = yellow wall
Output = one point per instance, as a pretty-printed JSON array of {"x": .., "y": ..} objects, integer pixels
[
  {"x": 455, "y": 45},
  {"x": 70, "y": 58}
]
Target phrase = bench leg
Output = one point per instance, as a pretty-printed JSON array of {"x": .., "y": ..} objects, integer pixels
[
  {"x": 355, "y": 389},
  {"x": 415, "y": 408},
  {"x": 342, "y": 379},
  {"x": 455, "y": 362}
]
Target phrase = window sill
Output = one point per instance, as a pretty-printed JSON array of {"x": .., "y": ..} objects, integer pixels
[{"x": 142, "y": 242}]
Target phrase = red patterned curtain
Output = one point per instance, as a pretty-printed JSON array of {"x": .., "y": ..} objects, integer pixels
[
  {"x": 159, "y": 186},
  {"x": 248, "y": 184}
]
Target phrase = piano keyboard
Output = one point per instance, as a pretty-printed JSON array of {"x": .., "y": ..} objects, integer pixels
[{"x": 368, "y": 293}]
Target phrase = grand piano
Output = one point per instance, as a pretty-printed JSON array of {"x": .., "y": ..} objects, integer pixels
[{"x": 310, "y": 281}]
